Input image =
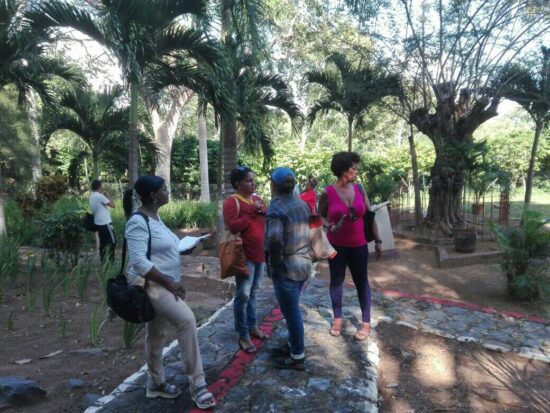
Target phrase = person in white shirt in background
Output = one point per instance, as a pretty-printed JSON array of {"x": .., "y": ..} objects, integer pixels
[{"x": 100, "y": 202}]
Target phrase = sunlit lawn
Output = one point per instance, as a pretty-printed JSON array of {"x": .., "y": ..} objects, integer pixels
[{"x": 540, "y": 201}]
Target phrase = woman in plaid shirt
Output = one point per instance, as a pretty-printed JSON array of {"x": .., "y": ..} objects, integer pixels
[{"x": 288, "y": 262}]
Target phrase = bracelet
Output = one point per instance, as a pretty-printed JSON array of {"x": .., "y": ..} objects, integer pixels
[{"x": 378, "y": 241}]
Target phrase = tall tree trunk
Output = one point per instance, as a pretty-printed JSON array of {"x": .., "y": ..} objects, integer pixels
[
  {"x": 229, "y": 131},
  {"x": 219, "y": 188},
  {"x": 3, "y": 230},
  {"x": 203, "y": 157},
  {"x": 95, "y": 164},
  {"x": 33, "y": 120},
  {"x": 451, "y": 126},
  {"x": 531, "y": 171},
  {"x": 416, "y": 183},
  {"x": 350, "y": 132},
  {"x": 133, "y": 161},
  {"x": 165, "y": 131}
]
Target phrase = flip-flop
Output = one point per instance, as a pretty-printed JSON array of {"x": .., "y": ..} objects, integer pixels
[
  {"x": 248, "y": 349},
  {"x": 259, "y": 334}
]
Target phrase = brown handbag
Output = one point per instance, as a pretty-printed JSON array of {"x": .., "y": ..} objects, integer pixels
[{"x": 231, "y": 252}]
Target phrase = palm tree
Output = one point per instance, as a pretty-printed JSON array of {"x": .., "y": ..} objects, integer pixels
[
  {"x": 351, "y": 90},
  {"x": 530, "y": 87},
  {"x": 25, "y": 65},
  {"x": 93, "y": 116},
  {"x": 258, "y": 93},
  {"x": 139, "y": 34}
]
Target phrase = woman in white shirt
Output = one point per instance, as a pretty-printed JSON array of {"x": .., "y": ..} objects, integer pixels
[{"x": 163, "y": 273}]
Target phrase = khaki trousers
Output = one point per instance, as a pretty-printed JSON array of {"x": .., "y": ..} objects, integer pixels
[{"x": 177, "y": 315}]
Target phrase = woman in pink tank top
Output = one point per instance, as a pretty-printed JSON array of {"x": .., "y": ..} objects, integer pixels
[{"x": 342, "y": 207}]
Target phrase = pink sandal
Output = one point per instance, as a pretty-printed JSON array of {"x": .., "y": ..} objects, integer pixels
[
  {"x": 363, "y": 333},
  {"x": 336, "y": 328}
]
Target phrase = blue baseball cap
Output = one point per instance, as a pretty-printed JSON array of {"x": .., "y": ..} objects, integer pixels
[{"x": 279, "y": 175}]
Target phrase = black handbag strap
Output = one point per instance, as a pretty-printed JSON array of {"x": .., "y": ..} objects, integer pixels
[{"x": 125, "y": 245}]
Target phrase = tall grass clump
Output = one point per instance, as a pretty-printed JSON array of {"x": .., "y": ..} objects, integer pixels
[
  {"x": 526, "y": 260},
  {"x": 31, "y": 282},
  {"x": 81, "y": 274},
  {"x": 131, "y": 333},
  {"x": 97, "y": 322},
  {"x": 9, "y": 259}
]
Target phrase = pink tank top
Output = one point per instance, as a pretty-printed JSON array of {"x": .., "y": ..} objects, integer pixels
[{"x": 351, "y": 233}]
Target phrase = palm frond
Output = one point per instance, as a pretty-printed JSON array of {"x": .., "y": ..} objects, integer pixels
[
  {"x": 198, "y": 79},
  {"x": 56, "y": 14}
]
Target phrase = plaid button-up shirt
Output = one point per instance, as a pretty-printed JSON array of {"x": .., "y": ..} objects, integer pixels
[{"x": 287, "y": 238}]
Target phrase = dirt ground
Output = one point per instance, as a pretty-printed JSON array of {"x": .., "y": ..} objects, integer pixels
[
  {"x": 424, "y": 373},
  {"x": 33, "y": 335},
  {"x": 30, "y": 335},
  {"x": 415, "y": 270}
]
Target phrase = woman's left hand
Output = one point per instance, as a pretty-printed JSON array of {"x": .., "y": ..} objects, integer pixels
[{"x": 377, "y": 251}]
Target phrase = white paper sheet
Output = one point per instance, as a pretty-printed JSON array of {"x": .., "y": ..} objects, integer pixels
[{"x": 187, "y": 243}]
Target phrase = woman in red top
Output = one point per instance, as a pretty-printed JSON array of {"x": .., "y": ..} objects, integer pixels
[
  {"x": 244, "y": 214},
  {"x": 309, "y": 196}
]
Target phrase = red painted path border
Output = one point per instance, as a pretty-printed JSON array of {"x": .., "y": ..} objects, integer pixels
[
  {"x": 462, "y": 304},
  {"x": 236, "y": 368}
]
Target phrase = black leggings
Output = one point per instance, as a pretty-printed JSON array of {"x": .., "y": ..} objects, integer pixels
[{"x": 356, "y": 258}]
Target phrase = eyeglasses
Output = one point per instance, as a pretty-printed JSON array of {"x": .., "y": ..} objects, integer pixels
[{"x": 352, "y": 215}]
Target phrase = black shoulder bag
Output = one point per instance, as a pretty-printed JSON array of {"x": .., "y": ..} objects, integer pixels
[
  {"x": 368, "y": 219},
  {"x": 130, "y": 302}
]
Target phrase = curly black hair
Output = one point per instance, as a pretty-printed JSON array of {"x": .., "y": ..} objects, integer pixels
[
  {"x": 238, "y": 174},
  {"x": 342, "y": 161}
]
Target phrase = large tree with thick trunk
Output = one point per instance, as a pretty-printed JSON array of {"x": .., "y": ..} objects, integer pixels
[{"x": 458, "y": 48}]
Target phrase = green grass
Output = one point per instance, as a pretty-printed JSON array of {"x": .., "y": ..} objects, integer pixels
[{"x": 540, "y": 202}]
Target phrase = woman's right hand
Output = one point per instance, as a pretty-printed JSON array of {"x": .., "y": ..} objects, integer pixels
[
  {"x": 176, "y": 289},
  {"x": 338, "y": 226}
]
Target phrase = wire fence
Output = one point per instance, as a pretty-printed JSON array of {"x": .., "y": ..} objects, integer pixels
[{"x": 493, "y": 208}]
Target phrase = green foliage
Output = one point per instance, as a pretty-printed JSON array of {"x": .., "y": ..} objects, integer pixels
[
  {"x": 16, "y": 143},
  {"x": 526, "y": 250},
  {"x": 131, "y": 333},
  {"x": 9, "y": 259},
  {"x": 96, "y": 323},
  {"x": 81, "y": 274},
  {"x": 188, "y": 214},
  {"x": 381, "y": 188},
  {"x": 31, "y": 282},
  {"x": 49, "y": 189},
  {"x": 62, "y": 228}
]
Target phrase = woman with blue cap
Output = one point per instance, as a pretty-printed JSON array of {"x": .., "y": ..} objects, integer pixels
[{"x": 288, "y": 262}]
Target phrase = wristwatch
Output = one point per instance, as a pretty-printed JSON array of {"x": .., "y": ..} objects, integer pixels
[{"x": 378, "y": 241}]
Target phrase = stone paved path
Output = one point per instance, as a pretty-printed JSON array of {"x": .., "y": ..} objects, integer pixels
[{"x": 341, "y": 373}]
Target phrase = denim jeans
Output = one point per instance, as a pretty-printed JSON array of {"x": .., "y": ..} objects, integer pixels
[
  {"x": 244, "y": 305},
  {"x": 288, "y": 295}
]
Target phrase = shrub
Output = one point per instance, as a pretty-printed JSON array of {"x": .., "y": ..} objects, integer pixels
[
  {"x": 50, "y": 188},
  {"x": 62, "y": 228},
  {"x": 381, "y": 188},
  {"x": 189, "y": 214},
  {"x": 526, "y": 250},
  {"x": 18, "y": 224}
]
